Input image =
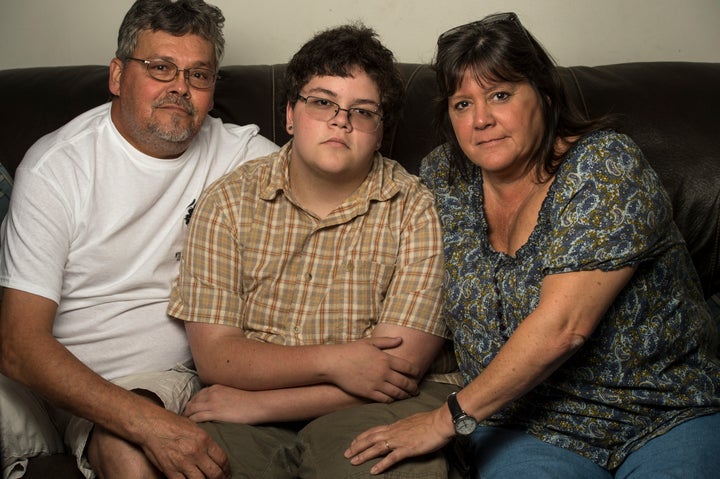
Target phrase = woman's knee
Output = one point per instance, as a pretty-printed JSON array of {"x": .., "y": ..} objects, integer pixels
[
  {"x": 689, "y": 449},
  {"x": 500, "y": 452}
]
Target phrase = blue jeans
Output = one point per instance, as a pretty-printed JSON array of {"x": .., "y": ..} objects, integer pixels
[{"x": 689, "y": 450}]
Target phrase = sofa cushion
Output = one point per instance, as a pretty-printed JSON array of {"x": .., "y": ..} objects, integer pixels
[{"x": 669, "y": 109}]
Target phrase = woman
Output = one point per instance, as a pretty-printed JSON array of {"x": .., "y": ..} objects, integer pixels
[{"x": 578, "y": 319}]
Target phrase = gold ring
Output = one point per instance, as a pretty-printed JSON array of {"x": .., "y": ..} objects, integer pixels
[{"x": 387, "y": 445}]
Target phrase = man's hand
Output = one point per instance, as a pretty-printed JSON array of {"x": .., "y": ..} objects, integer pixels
[
  {"x": 180, "y": 449},
  {"x": 364, "y": 368},
  {"x": 168, "y": 446}
]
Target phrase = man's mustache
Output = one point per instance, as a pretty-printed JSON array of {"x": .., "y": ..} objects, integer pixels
[{"x": 176, "y": 100}]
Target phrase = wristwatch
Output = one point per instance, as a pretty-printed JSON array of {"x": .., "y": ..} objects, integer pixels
[{"x": 464, "y": 423}]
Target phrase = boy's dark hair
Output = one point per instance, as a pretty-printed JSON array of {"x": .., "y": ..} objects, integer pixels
[{"x": 335, "y": 52}]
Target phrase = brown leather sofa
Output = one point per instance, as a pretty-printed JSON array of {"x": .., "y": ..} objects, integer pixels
[{"x": 670, "y": 109}]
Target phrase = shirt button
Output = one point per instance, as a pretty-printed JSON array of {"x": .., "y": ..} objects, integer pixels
[{"x": 308, "y": 276}]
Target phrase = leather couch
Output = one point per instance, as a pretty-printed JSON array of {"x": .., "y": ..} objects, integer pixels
[{"x": 669, "y": 108}]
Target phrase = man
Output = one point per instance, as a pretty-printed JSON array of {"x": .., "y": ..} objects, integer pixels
[
  {"x": 311, "y": 279},
  {"x": 90, "y": 247}
]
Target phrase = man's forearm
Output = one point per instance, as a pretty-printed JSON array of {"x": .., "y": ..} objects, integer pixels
[
  {"x": 33, "y": 357},
  {"x": 71, "y": 385}
]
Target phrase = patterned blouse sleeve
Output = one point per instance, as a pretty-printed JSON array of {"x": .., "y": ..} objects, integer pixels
[{"x": 609, "y": 209}]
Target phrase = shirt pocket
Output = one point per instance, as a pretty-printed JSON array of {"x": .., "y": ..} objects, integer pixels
[{"x": 356, "y": 298}]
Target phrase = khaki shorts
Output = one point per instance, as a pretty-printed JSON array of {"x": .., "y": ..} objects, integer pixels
[{"x": 30, "y": 426}]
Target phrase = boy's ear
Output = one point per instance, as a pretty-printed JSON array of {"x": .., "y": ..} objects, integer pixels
[{"x": 289, "y": 118}]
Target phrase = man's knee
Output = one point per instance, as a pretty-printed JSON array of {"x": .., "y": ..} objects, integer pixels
[{"x": 113, "y": 457}]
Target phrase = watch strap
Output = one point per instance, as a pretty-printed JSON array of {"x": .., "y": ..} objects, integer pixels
[{"x": 455, "y": 410}]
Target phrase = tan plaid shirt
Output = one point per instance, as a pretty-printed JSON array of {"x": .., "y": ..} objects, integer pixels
[{"x": 254, "y": 259}]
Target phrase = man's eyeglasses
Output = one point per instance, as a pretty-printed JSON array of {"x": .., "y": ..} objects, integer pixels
[
  {"x": 325, "y": 110},
  {"x": 166, "y": 71},
  {"x": 489, "y": 20}
]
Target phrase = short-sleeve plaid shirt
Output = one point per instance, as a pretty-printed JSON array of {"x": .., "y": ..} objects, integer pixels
[{"x": 254, "y": 259}]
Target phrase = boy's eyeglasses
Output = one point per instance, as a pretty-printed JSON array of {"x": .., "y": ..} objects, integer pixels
[{"x": 325, "y": 110}]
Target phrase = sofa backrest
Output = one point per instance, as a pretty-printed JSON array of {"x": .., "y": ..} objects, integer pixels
[{"x": 669, "y": 108}]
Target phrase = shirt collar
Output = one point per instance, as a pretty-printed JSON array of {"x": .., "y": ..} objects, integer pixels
[{"x": 379, "y": 185}]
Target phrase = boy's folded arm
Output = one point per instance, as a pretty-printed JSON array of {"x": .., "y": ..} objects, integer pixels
[{"x": 370, "y": 368}]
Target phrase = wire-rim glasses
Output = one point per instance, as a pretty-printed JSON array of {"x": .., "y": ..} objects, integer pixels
[
  {"x": 166, "y": 71},
  {"x": 323, "y": 109}
]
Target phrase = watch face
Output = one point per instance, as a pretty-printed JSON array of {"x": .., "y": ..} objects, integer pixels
[{"x": 465, "y": 425}]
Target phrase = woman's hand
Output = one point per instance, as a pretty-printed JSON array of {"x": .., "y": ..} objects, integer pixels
[{"x": 409, "y": 437}]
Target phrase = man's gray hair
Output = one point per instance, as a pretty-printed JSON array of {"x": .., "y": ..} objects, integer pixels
[{"x": 177, "y": 17}]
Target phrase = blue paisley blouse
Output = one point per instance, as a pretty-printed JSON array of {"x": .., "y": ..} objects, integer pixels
[{"x": 648, "y": 365}]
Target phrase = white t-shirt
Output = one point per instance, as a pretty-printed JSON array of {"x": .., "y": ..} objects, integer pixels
[{"x": 97, "y": 227}]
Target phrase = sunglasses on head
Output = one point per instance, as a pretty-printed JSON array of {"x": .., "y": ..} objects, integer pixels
[{"x": 489, "y": 20}]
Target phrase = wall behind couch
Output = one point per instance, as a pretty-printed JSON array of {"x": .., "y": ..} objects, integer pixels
[{"x": 589, "y": 32}]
